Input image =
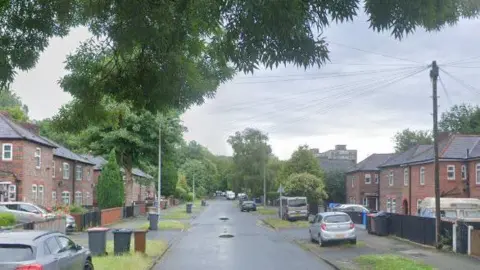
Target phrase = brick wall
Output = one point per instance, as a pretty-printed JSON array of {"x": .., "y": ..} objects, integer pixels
[
  {"x": 68, "y": 184},
  {"x": 472, "y": 178},
  {"x": 96, "y": 175},
  {"x": 393, "y": 192},
  {"x": 112, "y": 215}
]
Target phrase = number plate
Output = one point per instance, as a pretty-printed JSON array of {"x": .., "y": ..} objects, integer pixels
[{"x": 339, "y": 236}]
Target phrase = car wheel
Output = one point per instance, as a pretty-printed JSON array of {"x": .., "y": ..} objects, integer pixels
[
  {"x": 311, "y": 237},
  {"x": 88, "y": 265},
  {"x": 320, "y": 242}
]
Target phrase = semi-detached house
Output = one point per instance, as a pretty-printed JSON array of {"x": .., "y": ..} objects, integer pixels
[
  {"x": 362, "y": 181},
  {"x": 38, "y": 170},
  {"x": 408, "y": 177}
]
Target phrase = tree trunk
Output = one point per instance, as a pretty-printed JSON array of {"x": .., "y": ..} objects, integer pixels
[{"x": 128, "y": 164}]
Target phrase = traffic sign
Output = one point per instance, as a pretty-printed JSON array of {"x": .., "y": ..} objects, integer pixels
[{"x": 280, "y": 189}]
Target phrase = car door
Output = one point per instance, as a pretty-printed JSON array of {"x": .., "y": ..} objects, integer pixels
[
  {"x": 30, "y": 212},
  {"x": 52, "y": 249},
  {"x": 316, "y": 226},
  {"x": 71, "y": 259}
]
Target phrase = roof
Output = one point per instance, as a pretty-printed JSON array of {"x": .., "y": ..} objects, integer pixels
[
  {"x": 11, "y": 130},
  {"x": 405, "y": 157},
  {"x": 62, "y": 151},
  {"x": 371, "y": 163},
  {"x": 341, "y": 165},
  {"x": 99, "y": 161}
]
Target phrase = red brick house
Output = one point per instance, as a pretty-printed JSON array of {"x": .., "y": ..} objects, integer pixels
[
  {"x": 140, "y": 192},
  {"x": 72, "y": 177},
  {"x": 28, "y": 165},
  {"x": 362, "y": 181},
  {"x": 459, "y": 161}
]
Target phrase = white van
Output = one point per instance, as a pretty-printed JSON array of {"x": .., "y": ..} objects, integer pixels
[
  {"x": 230, "y": 195},
  {"x": 294, "y": 208},
  {"x": 451, "y": 208}
]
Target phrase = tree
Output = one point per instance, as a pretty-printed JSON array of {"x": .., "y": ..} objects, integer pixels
[
  {"x": 12, "y": 104},
  {"x": 335, "y": 186},
  {"x": 407, "y": 138},
  {"x": 196, "y": 39},
  {"x": 462, "y": 118},
  {"x": 306, "y": 184},
  {"x": 302, "y": 161},
  {"x": 203, "y": 172},
  {"x": 250, "y": 156},
  {"x": 110, "y": 189}
]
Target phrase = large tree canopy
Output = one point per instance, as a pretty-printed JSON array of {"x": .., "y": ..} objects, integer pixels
[
  {"x": 462, "y": 118},
  {"x": 150, "y": 37},
  {"x": 407, "y": 138}
]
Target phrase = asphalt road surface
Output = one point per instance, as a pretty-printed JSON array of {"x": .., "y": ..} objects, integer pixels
[{"x": 252, "y": 246}]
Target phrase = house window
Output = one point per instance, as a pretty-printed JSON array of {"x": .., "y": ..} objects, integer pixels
[
  {"x": 464, "y": 172},
  {"x": 53, "y": 168},
  {"x": 66, "y": 197},
  {"x": 353, "y": 181},
  {"x": 78, "y": 197},
  {"x": 7, "y": 151},
  {"x": 89, "y": 174},
  {"x": 40, "y": 195},
  {"x": 390, "y": 178},
  {"x": 38, "y": 158},
  {"x": 34, "y": 193},
  {"x": 368, "y": 178},
  {"x": 12, "y": 193},
  {"x": 477, "y": 179},
  {"x": 78, "y": 172},
  {"x": 405, "y": 177},
  {"x": 376, "y": 178},
  {"x": 365, "y": 201},
  {"x": 419, "y": 202},
  {"x": 54, "y": 197},
  {"x": 422, "y": 176},
  {"x": 451, "y": 172},
  {"x": 389, "y": 205},
  {"x": 66, "y": 170},
  {"x": 394, "y": 206}
]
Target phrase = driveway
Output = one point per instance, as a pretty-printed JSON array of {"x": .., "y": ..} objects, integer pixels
[{"x": 252, "y": 246}]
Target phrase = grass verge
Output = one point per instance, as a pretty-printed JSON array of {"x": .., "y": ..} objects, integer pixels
[
  {"x": 167, "y": 225},
  {"x": 285, "y": 224},
  {"x": 389, "y": 261},
  {"x": 266, "y": 211},
  {"x": 133, "y": 260}
]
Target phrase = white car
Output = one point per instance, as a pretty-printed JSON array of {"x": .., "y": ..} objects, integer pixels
[{"x": 332, "y": 227}]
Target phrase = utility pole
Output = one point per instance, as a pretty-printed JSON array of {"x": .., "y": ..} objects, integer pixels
[
  {"x": 193, "y": 189},
  {"x": 265, "y": 179},
  {"x": 434, "y": 77},
  {"x": 159, "y": 167}
]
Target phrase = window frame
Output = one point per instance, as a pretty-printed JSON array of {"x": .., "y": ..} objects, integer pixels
[
  {"x": 38, "y": 157},
  {"x": 405, "y": 177},
  {"x": 10, "y": 192},
  {"x": 41, "y": 199},
  {"x": 450, "y": 166},
  {"x": 390, "y": 178},
  {"x": 477, "y": 171},
  {"x": 78, "y": 198},
  {"x": 54, "y": 196},
  {"x": 369, "y": 177},
  {"x": 463, "y": 172},
  {"x": 65, "y": 169},
  {"x": 78, "y": 172},
  {"x": 69, "y": 197},
  {"x": 3, "y": 152},
  {"x": 376, "y": 178},
  {"x": 53, "y": 168},
  {"x": 422, "y": 176},
  {"x": 34, "y": 193},
  {"x": 353, "y": 181},
  {"x": 419, "y": 201}
]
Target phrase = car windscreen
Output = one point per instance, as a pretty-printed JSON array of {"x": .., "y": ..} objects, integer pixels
[
  {"x": 15, "y": 253},
  {"x": 336, "y": 219},
  {"x": 297, "y": 202},
  {"x": 247, "y": 202}
]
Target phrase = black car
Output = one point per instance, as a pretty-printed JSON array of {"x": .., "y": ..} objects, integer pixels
[{"x": 248, "y": 206}]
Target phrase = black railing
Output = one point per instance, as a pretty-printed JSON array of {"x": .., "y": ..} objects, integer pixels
[{"x": 128, "y": 211}]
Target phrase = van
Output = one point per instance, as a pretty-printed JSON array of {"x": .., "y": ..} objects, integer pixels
[
  {"x": 230, "y": 195},
  {"x": 294, "y": 208}
]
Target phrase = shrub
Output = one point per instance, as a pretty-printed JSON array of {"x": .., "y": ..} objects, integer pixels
[
  {"x": 75, "y": 209},
  {"x": 110, "y": 188},
  {"x": 180, "y": 192},
  {"x": 7, "y": 219},
  {"x": 188, "y": 197}
]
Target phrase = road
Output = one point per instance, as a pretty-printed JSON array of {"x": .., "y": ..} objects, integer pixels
[{"x": 252, "y": 246}]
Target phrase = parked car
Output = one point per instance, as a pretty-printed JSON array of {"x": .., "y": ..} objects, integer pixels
[
  {"x": 248, "y": 206},
  {"x": 332, "y": 227},
  {"x": 28, "y": 212},
  {"x": 352, "y": 208},
  {"x": 36, "y": 250}
]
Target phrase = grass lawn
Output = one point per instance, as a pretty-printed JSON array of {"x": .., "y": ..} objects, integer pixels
[
  {"x": 132, "y": 261},
  {"x": 266, "y": 211},
  {"x": 167, "y": 225},
  {"x": 285, "y": 224},
  {"x": 389, "y": 261}
]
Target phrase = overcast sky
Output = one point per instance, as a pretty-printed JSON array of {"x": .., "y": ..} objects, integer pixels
[{"x": 361, "y": 99}]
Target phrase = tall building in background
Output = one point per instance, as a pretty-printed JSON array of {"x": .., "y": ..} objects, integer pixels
[{"x": 339, "y": 153}]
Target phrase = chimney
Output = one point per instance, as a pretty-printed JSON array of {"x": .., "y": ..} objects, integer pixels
[
  {"x": 442, "y": 136},
  {"x": 31, "y": 127}
]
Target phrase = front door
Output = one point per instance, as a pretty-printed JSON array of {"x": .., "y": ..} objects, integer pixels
[{"x": 372, "y": 203}]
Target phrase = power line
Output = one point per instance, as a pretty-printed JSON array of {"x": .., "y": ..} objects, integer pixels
[
  {"x": 461, "y": 61},
  {"x": 375, "y": 53},
  {"x": 445, "y": 91},
  {"x": 296, "y": 95},
  {"x": 464, "y": 84}
]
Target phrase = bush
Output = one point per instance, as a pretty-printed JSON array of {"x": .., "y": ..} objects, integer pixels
[
  {"x": 7, "y": 219},
  {"x": 110, "y": 188},
  {"x": 75, "y": 209},
  {"x": 180, "y": 193},
  {"x": 189, "y": 197}
]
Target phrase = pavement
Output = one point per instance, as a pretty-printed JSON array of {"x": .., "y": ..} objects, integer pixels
[
  {"x": 250, "y": 245},
  {"x": 342, "y": 256}
]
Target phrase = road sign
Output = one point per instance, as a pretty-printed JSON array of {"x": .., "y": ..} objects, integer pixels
[{"x": 280, "y": 189}]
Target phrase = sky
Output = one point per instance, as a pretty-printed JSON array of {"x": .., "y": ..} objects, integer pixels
[{"x": 371, "y": 89}]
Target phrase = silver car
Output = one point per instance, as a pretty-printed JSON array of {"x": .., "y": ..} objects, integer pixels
[
  {"x": 332, "y": 227},
  {"x": 42, "y": 250}
]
